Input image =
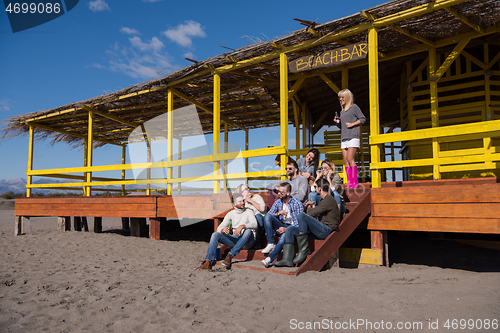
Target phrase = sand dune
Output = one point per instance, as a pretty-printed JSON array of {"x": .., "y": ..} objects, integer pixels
[{"x": 110, "y": 282}]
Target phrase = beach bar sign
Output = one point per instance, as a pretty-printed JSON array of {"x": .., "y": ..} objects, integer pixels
[{"x": 336, "y": 57}]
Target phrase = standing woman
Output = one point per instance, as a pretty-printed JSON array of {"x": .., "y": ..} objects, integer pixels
[{"x": 350, "y": 121}]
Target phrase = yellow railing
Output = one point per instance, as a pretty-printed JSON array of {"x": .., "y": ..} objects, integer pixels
[
  {"x": 443, "y": 134},
  {"x": 66, "y": 173}
]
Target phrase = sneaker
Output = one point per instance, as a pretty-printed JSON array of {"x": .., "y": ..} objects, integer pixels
[
  {"x": 227, "y": 261},
  {"x": 268, "y": 248},
  {"x": 266, "y": 262},
  {"x": 206, "y": 264}
]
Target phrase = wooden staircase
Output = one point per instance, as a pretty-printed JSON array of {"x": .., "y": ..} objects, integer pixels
[{"x": 358, "y": 205}]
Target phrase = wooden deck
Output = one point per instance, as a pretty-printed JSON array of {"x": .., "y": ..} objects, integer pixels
[
  {"x": 455, "y": 206},
  {"x": 135, "y": 208}
]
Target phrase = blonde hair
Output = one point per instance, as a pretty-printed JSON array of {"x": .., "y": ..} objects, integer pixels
[
  {"x": 240, "y": 188},
  {"x": 348, "y": 98},
  {"x": 329, "y": 163}
]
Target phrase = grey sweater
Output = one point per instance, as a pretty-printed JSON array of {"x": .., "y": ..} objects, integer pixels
[{"x": 350, "y": 116}]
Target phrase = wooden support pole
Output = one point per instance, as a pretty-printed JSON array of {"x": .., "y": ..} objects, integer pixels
[
  {"x": 63, "y": 223},
  {"x": 97, "y": 224},
  {"x": 284, "y": 110},
  {"x": 125, "y": 223},
  {"x": 137, "y": 226},
  {"x": 216, "y": 130},
  {"x": 85, "y": 225},
  {"x": 77, "y": 223},
  {"x": 90, "y": 144},
  {"x": 124, "y": 152},
  {"x": 170, "y": 139},
  {"x": 30, "y": 158},
  {"x": 434, "y": 110},
  {"x": 374, "y": 102},
  {"x": 379, "y": 242},
  {"x": 154, "y": 228},
  {"x": 179, "y": 168},
  {"x": 22, "y": 225},
  {"x": 226, "y": 143}
]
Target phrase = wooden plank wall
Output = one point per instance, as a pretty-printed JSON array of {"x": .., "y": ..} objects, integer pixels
[
  {"x": 440, "y": 206},
  {"x": 129, "y": 206}
]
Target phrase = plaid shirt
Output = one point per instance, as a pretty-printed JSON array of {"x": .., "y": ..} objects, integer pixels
[{"x": 295, "y": 207}]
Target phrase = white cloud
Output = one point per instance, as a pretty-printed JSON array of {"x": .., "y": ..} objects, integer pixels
[
  {"x": 154, "y": 45},
  {"x": 98, "y": 6},
  {"x": 5, "y": 104},
  {"x": 129, "y": 31},
  {"x": 141, "y": 60},
  {"x": 183, "y": 32}
]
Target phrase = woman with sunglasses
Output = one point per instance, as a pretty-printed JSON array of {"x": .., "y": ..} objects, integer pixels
[
  {"x": 350, "y": 121},
  {"x": 329, "y": 174}
]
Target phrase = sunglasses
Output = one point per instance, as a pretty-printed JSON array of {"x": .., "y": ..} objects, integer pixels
[
  {"x": 325, "y": 167},
  {"x": 289, "y": 168},
  {"x": 341, "y": 98}
]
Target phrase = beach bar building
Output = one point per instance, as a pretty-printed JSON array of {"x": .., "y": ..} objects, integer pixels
[{"x": 426, "y": 73}]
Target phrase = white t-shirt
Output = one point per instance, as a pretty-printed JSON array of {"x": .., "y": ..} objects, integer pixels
[{"x": 288, "y": 218}]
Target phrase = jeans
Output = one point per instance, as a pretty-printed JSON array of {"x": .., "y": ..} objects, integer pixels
[
  {"x": 314, "y": 226},
  {"x": 271, "y": 224},
  {"x": 277, "y": 249},
  {"x": 314, "y": 197},
  {"x": 242, "y": 242},
  {"x": 260, "y": 219}
]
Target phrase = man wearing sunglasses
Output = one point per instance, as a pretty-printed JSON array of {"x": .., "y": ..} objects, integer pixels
[
  {"x": 299, "y": 183},
  {"x": 282, "y": 215}
]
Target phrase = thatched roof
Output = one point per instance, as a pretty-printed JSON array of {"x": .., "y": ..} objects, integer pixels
[{"x": 250, "y": 89}]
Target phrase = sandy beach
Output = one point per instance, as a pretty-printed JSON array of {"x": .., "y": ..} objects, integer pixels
[{"x": 111, "y": 282}]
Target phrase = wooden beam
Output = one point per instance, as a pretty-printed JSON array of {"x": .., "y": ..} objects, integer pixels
[
  {"x": 111, "y": 117},
  {"x": 449, "y": 60},
  {"x": 51, "y": 129},
  {"x": 329, "y": 83},
  {"x": 205, "y": 108},
  {"x": 465, "y": 20}
]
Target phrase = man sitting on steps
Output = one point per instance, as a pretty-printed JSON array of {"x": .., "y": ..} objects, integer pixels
[
  {"x": 320, "y": 221},
  {"x": 240, "y": 237}
]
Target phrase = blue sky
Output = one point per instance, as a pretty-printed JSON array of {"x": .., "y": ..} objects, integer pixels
[{"x": 101, "y": 46}]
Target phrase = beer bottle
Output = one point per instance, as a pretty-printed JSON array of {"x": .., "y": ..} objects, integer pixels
[{"x": 230, "y": 226}]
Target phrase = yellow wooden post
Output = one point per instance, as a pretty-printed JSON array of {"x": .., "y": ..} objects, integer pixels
[
  {"x": 303, "y": 117},
  {"x": 170, "y": 138},
  {"x": 216, "y": 130},
  {"x": 297, "y": 124},
  {"x": 148, "y": 171},
  {"x": 124, "y": 152},
  {"x": 284, "y": 110},
  {"x": 30, "y": 158},
  {"x": 434, "y": 108},
  {"x": 246, "y": 148},
  {"x": 374, "y": 102},
  {"x": 90, "y": 141},
  {"x": 179, "y": 157},
  {"x": 226, "y": 139},
  {"x": 487, "y": 144},
  {"x": 345, "y": 78}
]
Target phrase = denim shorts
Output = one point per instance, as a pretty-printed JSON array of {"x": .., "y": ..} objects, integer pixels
[{"x": 349, "y": 143}]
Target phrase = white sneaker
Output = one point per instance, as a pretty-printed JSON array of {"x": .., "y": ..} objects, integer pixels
[
  {"x": 268, "y": 248},
  {"x": 266, "y": 262}
]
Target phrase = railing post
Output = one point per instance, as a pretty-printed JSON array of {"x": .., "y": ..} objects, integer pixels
[
  {"x": 88, "y": 163},
  {"x": 216, "y": 130},
  {"x": 170, "y": 139},
  {"x": 284, "y": 110},
  {"x": 374, "y": 102},
  {"x": 30, "y": 158},
  {"x": 434, "y": 109}
]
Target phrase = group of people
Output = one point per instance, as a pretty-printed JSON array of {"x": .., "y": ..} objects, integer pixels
[{"x": 308, "y": 203}]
